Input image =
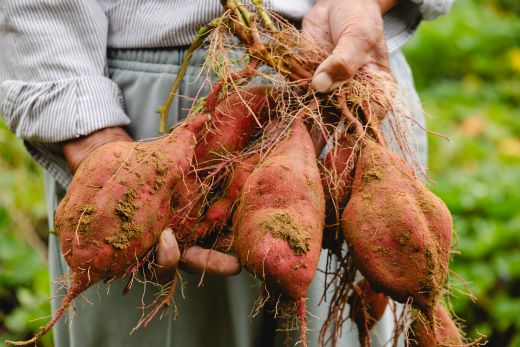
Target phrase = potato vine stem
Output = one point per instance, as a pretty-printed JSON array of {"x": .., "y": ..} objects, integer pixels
[{"x": 164, "y": 109}]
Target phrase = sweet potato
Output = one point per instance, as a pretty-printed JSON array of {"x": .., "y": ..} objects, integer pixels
[
  {"x": 220, "y": 211},
  {"x": 366, "y": 309},
  {"x": 446, "y": 332},
  {"x": 399, "y": 232},
  {"x": 235, "y": 120},
  {"x": 279, "y": 221},
  {"x": 113, "y": 213},
  {"x": 337, "y": 175}
]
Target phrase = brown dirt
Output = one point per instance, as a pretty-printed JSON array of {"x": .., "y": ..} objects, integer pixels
[
  {"x": 283, "y": 226},
  {"x": 86, "y": 213},
  {"x": 125, "y": 210}
]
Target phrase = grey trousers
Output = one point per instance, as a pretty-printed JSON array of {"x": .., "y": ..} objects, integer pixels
[{"x": 216, "y": 313}]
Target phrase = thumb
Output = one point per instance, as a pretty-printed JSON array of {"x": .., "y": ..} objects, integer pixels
[
  {"x": 168, "y": 253},
  {"x": 346, "y": 59}
]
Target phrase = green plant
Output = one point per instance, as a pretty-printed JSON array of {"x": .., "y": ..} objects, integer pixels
[
  {"x": 24, "y": 278},
  {"x": 467, "y": 67}
]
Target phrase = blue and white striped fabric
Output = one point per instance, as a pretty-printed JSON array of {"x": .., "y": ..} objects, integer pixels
[{"x": 54, "y": 84}]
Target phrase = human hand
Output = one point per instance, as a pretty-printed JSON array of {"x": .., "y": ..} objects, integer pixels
[
  {"x": 76, "y": 150},
  {"x": 194, "y": 258},
  {"x": 353, "y": 29}
]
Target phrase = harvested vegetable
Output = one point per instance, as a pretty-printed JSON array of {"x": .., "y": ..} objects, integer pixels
[
  {"x": 398, "y": 231},
  {"x": 366, "y": 309},
  {"x": 113, "y": 213},
  {"x": 255, "y": 167},
  {"x": 279, "y": 221},
  {"x": 445, "y": 333}
]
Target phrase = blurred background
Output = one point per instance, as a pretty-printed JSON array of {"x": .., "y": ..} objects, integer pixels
[{"x": 467, "y": 71}]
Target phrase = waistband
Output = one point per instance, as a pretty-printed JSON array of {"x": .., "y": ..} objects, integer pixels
[
  {"x": 155, "y": 60},
  {"x": 170, "y": 56}
]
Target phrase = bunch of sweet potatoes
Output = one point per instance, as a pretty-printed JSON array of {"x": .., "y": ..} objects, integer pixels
[
  {"x": 220, "y": 172},
  {"x": 252, "y": 169},
  {"x": 269, "y": 191}
]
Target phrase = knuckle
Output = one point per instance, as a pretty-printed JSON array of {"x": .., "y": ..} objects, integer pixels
[{"x": 342, "y": 65}]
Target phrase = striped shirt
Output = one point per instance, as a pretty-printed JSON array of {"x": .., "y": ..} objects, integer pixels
[{"x": 54, "y": 84}]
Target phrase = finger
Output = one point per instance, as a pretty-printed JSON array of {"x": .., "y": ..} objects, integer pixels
[
  {"x": 168, "y": 253},
  {"x": 199, "y": 259},
  {"x": 351, "y": 52},
  {"x": 313, "y": 28}
]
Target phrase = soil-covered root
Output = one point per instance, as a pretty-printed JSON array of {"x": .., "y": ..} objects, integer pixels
[
  {"x": 279, "y": 221},
  {"x": 446, "y": 333},
  {"x": 366, "y": 309},
  {"x": 235, "y": 120},
  {"x": 337, "y": 176},
  {"x": 399, "y": 232},
  {"x": 113, "y": 213}
]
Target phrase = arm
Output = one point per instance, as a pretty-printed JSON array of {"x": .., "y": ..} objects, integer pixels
[
  {"x": 56, "y": 95},
  {"x": 53, "y": 81},
  {"x": 431, "y": 9}
]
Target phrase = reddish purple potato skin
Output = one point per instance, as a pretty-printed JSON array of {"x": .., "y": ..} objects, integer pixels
[
  {"x": 446, "y": 331},
  {"x": 398, "y": 231},
  {"x": 283, "y": 195},
  {"x": 113, "y": 213},
  {"x": 375, "y": 305}
]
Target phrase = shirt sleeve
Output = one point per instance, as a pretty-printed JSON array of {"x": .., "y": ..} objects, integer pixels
[
  {"x": 431, "y": 9},
  {"x": 403, "y": 19},
  {"x": 53, "y": 75}
]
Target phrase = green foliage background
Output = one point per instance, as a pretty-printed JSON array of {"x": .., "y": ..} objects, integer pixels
[{"x": 467, "y": 70}]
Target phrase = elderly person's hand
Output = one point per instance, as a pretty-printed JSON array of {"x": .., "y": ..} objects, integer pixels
[
  {"x": 353, "y": 30},
  {"x": 168, "y": 255}
]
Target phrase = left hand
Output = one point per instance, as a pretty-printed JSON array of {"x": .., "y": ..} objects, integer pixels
[
  {"x": 354, "y": 31},
  {"x": 193, "y": 259}
]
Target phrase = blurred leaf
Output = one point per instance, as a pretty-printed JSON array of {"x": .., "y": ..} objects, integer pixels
[
  {"x": 514, "y": 56},
  {"x": 467, "y": 67}
]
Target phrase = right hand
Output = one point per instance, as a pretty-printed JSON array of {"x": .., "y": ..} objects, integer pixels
[
  {"x": 194, "y": 258},
  {"x": 354, "y": 31}
]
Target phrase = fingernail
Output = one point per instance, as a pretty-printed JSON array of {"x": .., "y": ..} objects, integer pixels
[
  {"x": 322, "y": 82},
  {"x": 167, "y": 237}
]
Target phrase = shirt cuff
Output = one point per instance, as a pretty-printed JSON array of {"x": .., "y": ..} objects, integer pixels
[
  {"x": 402, "y": 20},
  {"x": 44, "y": 114},
  {"x": 50, "y": 157},
  {"x": 61, "y": 110},
  {"x": 431, "y": 9},
  {"x": 400, "y": 24}
]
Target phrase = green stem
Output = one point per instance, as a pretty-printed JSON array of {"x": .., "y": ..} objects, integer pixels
[
  {"x": 164, "y": 109},
  {"x": 246, "y": 15},
  {"x": 259, "y": 5},
  {"x": 248, "y": 33},
  {"x": 238, "y": 9}
]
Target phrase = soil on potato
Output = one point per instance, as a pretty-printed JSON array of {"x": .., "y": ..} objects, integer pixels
[{"x": 283, "y": 226}]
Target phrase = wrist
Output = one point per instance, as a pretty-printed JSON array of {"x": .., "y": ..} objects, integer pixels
[{"x": 78, "y": 149}]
